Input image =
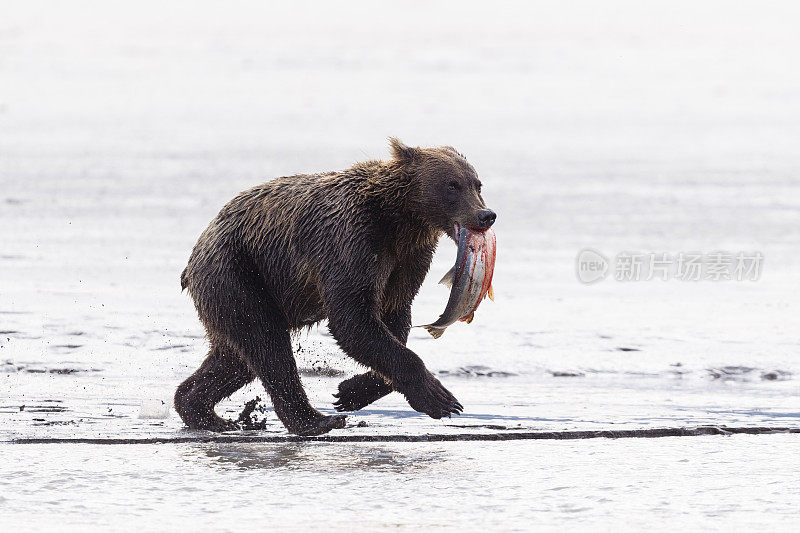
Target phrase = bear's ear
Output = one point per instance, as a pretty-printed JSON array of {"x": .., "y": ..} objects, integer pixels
[
  {"x": 456, "y": 152},
  {"x": 401, "y": 152}
]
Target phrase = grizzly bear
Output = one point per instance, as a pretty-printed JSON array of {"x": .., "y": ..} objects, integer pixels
[{"x": 352, "y": 247}]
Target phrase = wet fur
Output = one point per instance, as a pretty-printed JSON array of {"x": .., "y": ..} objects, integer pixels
[{"x": 352, "y": 247}]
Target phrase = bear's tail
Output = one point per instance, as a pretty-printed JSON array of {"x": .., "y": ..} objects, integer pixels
[{"x": 185, "y": 278}]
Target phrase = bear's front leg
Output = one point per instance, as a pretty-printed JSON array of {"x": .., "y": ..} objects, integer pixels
[
  {"x": 360, "y": 391},
  {"x": 358, "y": 331}
]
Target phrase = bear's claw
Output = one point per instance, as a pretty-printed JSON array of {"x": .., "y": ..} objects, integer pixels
[
  {"x": 321, "y": 426},
  {"x": 431, "y": 397},
  {"x": 213, "y": 422},
  {"x": 359, "y": 391}
]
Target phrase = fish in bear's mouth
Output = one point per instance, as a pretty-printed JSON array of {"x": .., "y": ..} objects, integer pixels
[
  {"x": 470, "y": 279},
  {"x": 457, "y": 230}
]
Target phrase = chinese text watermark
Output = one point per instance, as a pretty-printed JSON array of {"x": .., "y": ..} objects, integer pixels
[{"x": 592, "y": 266}]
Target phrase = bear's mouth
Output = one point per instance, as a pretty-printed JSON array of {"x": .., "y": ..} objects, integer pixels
[{"x": 457, "y": 230}]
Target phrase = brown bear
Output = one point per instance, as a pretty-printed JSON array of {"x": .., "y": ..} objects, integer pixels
[{"x": 352, "y": 247}]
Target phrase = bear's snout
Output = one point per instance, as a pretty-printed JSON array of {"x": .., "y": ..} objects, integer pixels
[{"x": 486, "y": 218}]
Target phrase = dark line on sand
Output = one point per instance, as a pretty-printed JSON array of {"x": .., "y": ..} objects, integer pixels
[{"x": 457, "y": 437}]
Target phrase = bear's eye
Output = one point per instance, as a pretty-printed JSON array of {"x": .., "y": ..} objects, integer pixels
[{"x": 453, "y": 185}]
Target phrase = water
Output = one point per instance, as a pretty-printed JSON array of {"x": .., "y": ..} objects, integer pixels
[
  {"x": 635, "y": 483},
  {"x": 622, "y": 127}
]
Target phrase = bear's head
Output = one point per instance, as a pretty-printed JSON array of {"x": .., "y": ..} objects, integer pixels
[{"x": 445, "y": 190}]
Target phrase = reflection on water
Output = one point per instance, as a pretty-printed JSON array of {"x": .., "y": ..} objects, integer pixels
[
  {"x": 497, "y": 486},
  {"x": 313, "y": 457}
]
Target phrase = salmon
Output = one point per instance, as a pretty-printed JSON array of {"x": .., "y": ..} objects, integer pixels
[{"x": 470, "y": 279}]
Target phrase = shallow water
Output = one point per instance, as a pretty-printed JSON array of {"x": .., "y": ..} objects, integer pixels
[
  {"x": 622, "y": 127},
  {"x": 665, "y": 483}
]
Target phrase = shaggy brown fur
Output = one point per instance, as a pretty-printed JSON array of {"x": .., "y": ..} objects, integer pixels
[{"x": 351, "y": 246}]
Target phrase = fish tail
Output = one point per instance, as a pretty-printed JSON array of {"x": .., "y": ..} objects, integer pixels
[{"x": 435, "y": 332}]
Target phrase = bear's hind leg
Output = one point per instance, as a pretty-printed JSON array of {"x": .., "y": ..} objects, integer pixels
[
  {"x": 249, "y": 321},
  {"x": 220, "y": 375},
  {"x": 269, "y": 349},
  {"x": 359, "y": 391}
]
